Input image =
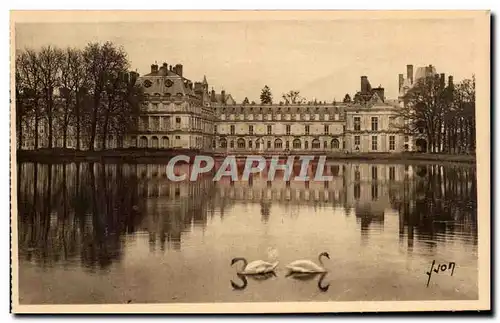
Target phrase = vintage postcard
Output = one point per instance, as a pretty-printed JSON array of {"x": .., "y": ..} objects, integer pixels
[{"x": 250, "y": 161}]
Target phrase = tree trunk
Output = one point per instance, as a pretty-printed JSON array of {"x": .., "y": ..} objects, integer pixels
[
  {"x": 77, "y": 112},
  {"x": 105, "y": 131},
  {"x": 20, "y": 130},
  {"x": 35, "y": 130},
  {"x": 93, "y": 128}
]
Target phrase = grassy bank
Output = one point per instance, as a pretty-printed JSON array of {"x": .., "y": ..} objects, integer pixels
[{"x": 158, "y": 155}]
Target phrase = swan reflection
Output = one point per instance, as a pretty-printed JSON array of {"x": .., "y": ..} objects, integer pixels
[
  {"x": 311, "y": 276},
  {"x": 255, "y": 277}
]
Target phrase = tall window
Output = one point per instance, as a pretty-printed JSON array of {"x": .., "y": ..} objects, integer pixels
[
  {"x": 250, "y": 130},
  {"x": 357, "y": 123},
  {"x": 374, "y": 173},
  {"x": 327, "y": 130},
  {"x": 241, "y": 143},
  {"x": 374, "y": 192},
  {"x": 374, "y": 143},
  {"x": 178, "y": 120},
  {"x": 268, "y": 144},
  {"x": 392, "y": 173},
  {"x": 307, "y": 130},
  {"x": 357, "y": 140},
  {"x": 374, "y": 123},
  {"x": 357, "y": 191},
  {"x": 231, "y": 144},
  {"x": 407, "y": 138},
  {"x": 306, "y": 144},
  {"x": 288, "y": 129},
  {"x": 269, "y": 129},
  {"x": 357, "y": 175},
  {"x": 392, "y": 142},
  {"x": 249, "y": 144},
  {"x": 232, "y": 129},
  {"x": 215, "y": 128},
  {"x": 287, "y": 145}
]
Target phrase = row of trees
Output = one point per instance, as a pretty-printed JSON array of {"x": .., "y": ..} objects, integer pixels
[
  {"x": 443, "y": 115},
  {"x": 87, "y": 94}
]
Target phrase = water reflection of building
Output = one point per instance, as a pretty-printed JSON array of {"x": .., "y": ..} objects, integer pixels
[{"x": 172, "y": 208}]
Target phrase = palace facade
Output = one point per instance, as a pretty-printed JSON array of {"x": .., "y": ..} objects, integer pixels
[{"x": 181, "y": 114}]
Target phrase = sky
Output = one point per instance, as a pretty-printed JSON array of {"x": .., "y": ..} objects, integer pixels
[{"x": 323, "y": 59}]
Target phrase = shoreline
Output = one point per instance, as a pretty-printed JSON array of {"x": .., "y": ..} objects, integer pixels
[{"x": 154, "y": 155}]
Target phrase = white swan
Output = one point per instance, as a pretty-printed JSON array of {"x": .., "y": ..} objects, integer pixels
[
  {"x": 307, "y": 266},
  {"x": 256, "y": 267}
]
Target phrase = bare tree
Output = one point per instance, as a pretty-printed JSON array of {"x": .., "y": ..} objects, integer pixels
[
  {"x": 74, "y": 91},
  {"x": 28, "y": 81},
  {"x": 50, "y": 61},
  {"x": 101, "y": 63}
]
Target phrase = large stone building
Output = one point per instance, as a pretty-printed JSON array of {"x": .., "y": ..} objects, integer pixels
[
  {"x": 368, "y": 124},
  {"x": 177, "y": 112},
  {"x": 279, "y": 128},
  {"x": 372, "y": 124}
]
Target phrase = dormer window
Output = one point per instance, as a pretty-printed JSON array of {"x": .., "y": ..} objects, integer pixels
[{"x": 179, "y": 95}]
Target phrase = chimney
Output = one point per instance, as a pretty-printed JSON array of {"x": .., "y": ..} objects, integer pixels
[
  {"x": 170, "y": 68},
  {"x": 223, "y": 96},
  {"x": 450, "y": 81},
  {"x": 212, "y": 97},
  {"x": 178, "y": 69},
  {"x": 380, "y": 92},
  {"x": 165, "y": 66},
  {"x": 409, "y": 73},
  {"x": 365, "y": 85},
  {"x": 154, "y": 68},
  {"x": 441, "y": 80},
  {"x": 401, "y": 81}
]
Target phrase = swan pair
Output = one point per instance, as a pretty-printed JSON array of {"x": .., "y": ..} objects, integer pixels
[{"x": 259, "y": 267}]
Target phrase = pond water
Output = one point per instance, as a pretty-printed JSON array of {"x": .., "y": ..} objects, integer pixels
[{"x": 91, "y": 233}]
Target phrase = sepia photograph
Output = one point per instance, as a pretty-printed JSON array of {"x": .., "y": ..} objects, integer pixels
[{"x": 250, "y": 161}]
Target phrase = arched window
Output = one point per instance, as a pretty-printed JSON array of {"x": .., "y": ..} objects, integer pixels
[
  {"x": 223, "y": 143},
  {"x": 278, "y": 144},
  {"x": 164, "y": 142},
  {"x": 297, "y": 144},
  {"x": 316, "y": 144},
  {"x": 143, "y": 142},
  {"x": 241, "y": 143},
  {"x": 335, "y": 144},
  {"x": 154, "y": 142}
]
